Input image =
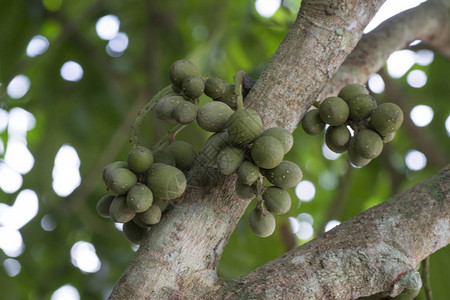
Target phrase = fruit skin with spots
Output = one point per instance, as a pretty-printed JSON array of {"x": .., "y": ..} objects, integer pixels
[
  {"x": 286, "y": 175},
  {"x": 386, "y": 118},
  {"x": 193, "y": 87},
  {"x": 228, "y": 97},
  {"x": 245, "y": 192},
  {"x": 163, "y": 156},
  {"x": 214, "y": 144},
  {"x": 185, "y": 112},
  {"x": 166, "y": 105},
  {"x": 354, "y": 157},
  {"x": 244, "y": 126},
  {"x": 114, "y": 165},
  {"x": 312, "y": 124},
  {"x": 214, "y": 87},
  {"x": 229, "y": 159},
  {"x": 119, "y": 210},
  {"x": 337, "y": 138},
  {"x": 248, "y": 173},
  {"x": 334, "y": 111},
  {"x": 368, "y": 143},
  {"x": 282, "y": 135},
  {"x": 277, "y": 200},
  {"x": 352, "y": 90},
  {"x": 139, "y": 197},
  {"x": 139, "y": 159},
  {"x": 213, "y": 116},
  {"x": 261, "y": 222},
  {"x": 180, "y": 70},
  {"x": 166, "y": 182},
  {"x": 361, "y": 106},
  {"x": 267, "y": 152},
  {"x": 184, "y": 154},
  {"x": 133, "y": 232},
  {"x": 120, "y": 180},
  {"x": 151, "y": 216}
]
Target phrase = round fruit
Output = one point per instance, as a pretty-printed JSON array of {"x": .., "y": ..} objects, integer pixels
[
  {"x": 163, "y": 156},
  {"x": 368, "y": 143},
  {"x": 137, "y": 220},
  {"x": 133, "y": 232},
  {"x": 151, "y": 216},
  {"x": 213, "y": 145},
  {"x": 103, "y": 205},
  {"x": 115, "y": 165},
  {"x": 353, "y": 156},
  {"x": 139, "y": 197},
  {"x": 352, "y": 90},
  {"x": 166, "y": 105},
  {"x": 282, "y": 135},
  {"x": 119, "y": 211},
  {"x": 248, "y": 173},
  {"x": 176, "y": 90},
  {"x": 161, "y": 203},
  {"x": 334, "y": 111},
  {"x": 229, "y": 159},
  {"x": 261, "y": 222},
  {"x": 245, "y": 192},
  {"x": 184, "y": 154},
  {"x": 285, "y": 175},
  {"x": 267, "y": 152},
  {"x": 120, "y": 180},
  {"x": 277, "y": 200},
  {"x": 139, "y": 159},
  {"x": 312, "y": 123},
  {"x": 361, "y": 106},
  {"x": 193, "y": 87},
  {"x": 388, "y": 137},
  {"x": 214, "y": 116},
  {"x": 228, "y": 97},
  {"x": 386, "y": 118},
  {"x": 166, "y": 182},
  {"x": 214, "y": 87},
  {"x": 180, "y": 70},
  {"x": 185, "y": 112},
  {"x": 244, "y": 126},
  {"x": 337, "y": 138}
]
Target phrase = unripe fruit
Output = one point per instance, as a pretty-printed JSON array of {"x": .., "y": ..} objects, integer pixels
[
  {"x": 214, "y": 87},
  {"x": 353, "y": 156},
  {"x": 277, "y": 200},
  {"x": 386, "y": 118},
  {"x": 112, "y": 166},
  {"x": 337, "y": 138},
  {"x": 244, "y": 126},
  {"x": 180, "y": 70},
  {"x": 248, "y": 173},
  {"x": 139, "y": 197},
  {"x": 185, "y": 112},
  {"x": 161, "y": 203},
  {"x": 245, "y": 192},
  {"x": 166, "y": 182},
  {"x": 368, "y": 143},
  {"x": 267, "y": 152},
  {"x": 139, "y": 159},
  {"x": 312, "y": 123},
  {"x": 262, "y": 223},
  {"x": 229, "y": 159},
  {"x": 137, "y": 220},
  {"x": 228, "y": 97},
  {"x": 184, "y": 154},
  {"x": 166, "y": 105},
  {"x": 120, "y": 180},
  {"x": 176, "y": 89},
  {"x": 352, "y": 90},
  {"x": 282, "y": 135},
  {"x": 163, "y": 156},
  {"x": 361, "y": 106},
  {"x": 334, "y": 111},
  {"x": 214, "y": 116},
  {"x": 133, "y": 232},
  {"x": 103, "y": 205},
  {"x": 388, "y": 137},
  {"x": 285, "y": 175},
  {"x": 214, "y": 144},
  {"x": 119, "y": 211},
  {"x": 193, "y": 87},
  {"x": 151, "y": 216}
]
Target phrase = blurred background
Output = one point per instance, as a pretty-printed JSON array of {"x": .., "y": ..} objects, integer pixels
[{"x": 73, "y": 75}]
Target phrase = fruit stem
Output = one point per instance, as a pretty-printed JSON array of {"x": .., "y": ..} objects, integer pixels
[
  {"x": 316, "y": 104},
  {"x": 143, "y": 113},
  {"x": 238, "y": 79},
  {"x": 169, "y": 136}
]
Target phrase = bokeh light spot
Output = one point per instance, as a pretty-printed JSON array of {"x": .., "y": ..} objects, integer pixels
[
  {"x": 66, "y": 292},
  {"x": 305, "y": 190},
  {"x": 424, "y": 57},
  {"x": 66, "y": 172},
  {"x": 18, "y": 86},
  {"x": 83, "y": 256},
  {"x": 71, "y": 71},
  {"x": 416, "y": 78},
  {"x": 331, "y": 224},
  {"x": 12, "y": 267},
  {"x": 37, "y": 46},
  {"x": 267, "y": 8},
  {"x": 11, "y": 241},
  {"x": 415, "y": 160},
  {"x": 107, "y": 27},
  {"x": 400, "y": 62},
  {"x": 421, "y": 115},
  {"x": 10, "y": 180},
  {"x": 376, "y": 83},
  {"x": 305, "y": 231}
]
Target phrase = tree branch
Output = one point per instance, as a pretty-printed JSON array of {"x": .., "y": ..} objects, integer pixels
[{"x": 366, "y": 255}]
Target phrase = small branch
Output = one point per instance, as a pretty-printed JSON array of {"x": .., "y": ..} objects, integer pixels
[
  {"x": 426, "y": 278},
  {"x": 238, "y": 81},
  {"x": 170, "y": 135}
]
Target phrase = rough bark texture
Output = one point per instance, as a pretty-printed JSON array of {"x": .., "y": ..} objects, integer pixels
[{"x": 178, "y": 258}]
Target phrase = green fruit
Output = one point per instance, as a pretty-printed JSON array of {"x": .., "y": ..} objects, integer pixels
[
  {"x": 161, "y": 203},
  {"x": 151, "y": 216},
  {"x": 285, "y": 175},
  {"x": 282, "y": 135},
  {"x": 353, "y": 156},
  {"x": 103, "y": 205},
  {"x": 337, "y": 138},
  {"x": 180, "y": 70},
  {"x": 184, "y": 154},
  {"x": 228, "y": 97},
  {"x": 261, "y": 222},
  {"x": 334, "y": 111},
  {"x": 115, "y": 165},
  {"x": 267, "y": 152},
  {"x": 176, "y": 90},
  {"x": 213, "y": 146},
  {"x": 312, "y": 123},
  {"x": 245, "y": 192},
  {"x": 120, "y": 180},
  {"x": 139, "y": 159},
  {"x": 361, "y": 106},
  {"x": 166, "y": 182},
  {"x": 214, "y": 87},
  {"x": 277, "y": 200},
  {"x": 368, "y": 143},
  {"x": 133, "y": 232},
  {"x": 163, "y": 156},
  {"x": 166, "y": 105},
  {"x": 119, "y": 211},
  {"x": 352, "y": 90},
  {"x": 139, "y": 197},
  {"x": 388, "y": 137},
  {"x": 193, "y": 87},
  {"x": 244, "y": 126},
  {"x": 137, "y": 220},
  {"x": 185, "y": 112},
  {"x": 229, "y": 159},
  {"x": 214, "y": 116},
  {"x": 248, "y": 173},
  {"x": 386, "y": 118}
]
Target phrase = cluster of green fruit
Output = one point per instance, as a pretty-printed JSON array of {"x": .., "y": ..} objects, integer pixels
[{"x": 373, "y": 125}]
